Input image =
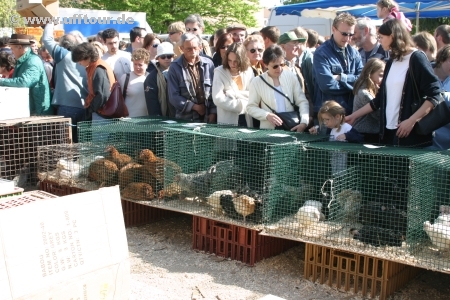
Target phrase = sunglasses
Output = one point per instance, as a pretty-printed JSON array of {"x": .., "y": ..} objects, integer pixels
[
  {"x": 155, "y": 45},
  {"x": 166, "y": 56},
  {"x": 345, "y": 33},
  {"x": 191, "y": 29},
  {"x": 225, "y": 47},
  {"x": 277, "y": 66},
  {"x": 172, "y": 33},
  {"x": 254, "y": 50}
]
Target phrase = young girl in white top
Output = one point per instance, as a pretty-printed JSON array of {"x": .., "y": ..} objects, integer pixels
[{"x": 332, "y": 115}]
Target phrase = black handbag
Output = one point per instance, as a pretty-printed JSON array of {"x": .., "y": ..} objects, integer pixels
[
  {"x": 290, "y": 118},
  {"x": 439, "y": 116}
]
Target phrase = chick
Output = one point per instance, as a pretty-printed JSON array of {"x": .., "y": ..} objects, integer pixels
[
  {"x": 310, "y": 213},
  {"x": 129, "y": 174},
  {"x": 156, "y": 165},
  {"x": 171, "y": 190},
  {"x": 227, "y": 206},
  {"x": 244, "y": 205},
  {"x": 377, "y": 236},
  {"x": 121, "y": 160},
  {"x": 138, "y": 191},
  {"x": 103, "y": 171},
  {"x": 214, "y": 200},
  {"x": 439, "y": 234}
]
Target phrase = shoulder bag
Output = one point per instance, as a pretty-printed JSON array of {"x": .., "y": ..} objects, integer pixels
[
  {"x": 436, "y": 118},
  {"x": 115, "y": 106},
  {"x": 290, "y": 118}
]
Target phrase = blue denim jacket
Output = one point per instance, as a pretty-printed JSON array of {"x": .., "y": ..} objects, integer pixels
[
  {"x": 181, "y": 90},
  {"x": 329, "y": 61}
]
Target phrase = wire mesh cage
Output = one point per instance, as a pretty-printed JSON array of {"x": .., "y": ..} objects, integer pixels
[
  {"x": 120, "y": 150},
  {"x": 229, "y": 173},
  {"x": 358, "y": 198},
  {"x": 428, "y": 235},
  {"x": 19, "y": 142}
]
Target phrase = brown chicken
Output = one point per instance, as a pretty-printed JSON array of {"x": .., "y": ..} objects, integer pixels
[
  {"x": 244, "y": 205},
  {"x": 120, "y": 159},
  {"x": 155, "y": 165},
  {"x": 130, "y": 173},
  {"x": 138, "y": 191},
  {"x": 104, "y": 172}
]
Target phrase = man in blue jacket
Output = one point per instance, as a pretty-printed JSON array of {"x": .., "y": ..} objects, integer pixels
[
  {"x": 189, "y": 82},
  {"x": 337, "y": 65}
]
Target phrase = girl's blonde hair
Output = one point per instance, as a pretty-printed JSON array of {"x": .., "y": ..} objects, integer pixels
[
  {"x": 389, "y": 4},
  {"x": 332, "y": 108},
  {"x": 364, "y": 81}
]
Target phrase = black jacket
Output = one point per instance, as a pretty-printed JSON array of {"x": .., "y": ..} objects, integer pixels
[
  {"x": 151, "y": 96},
  {"x": 429, "y": 87}
]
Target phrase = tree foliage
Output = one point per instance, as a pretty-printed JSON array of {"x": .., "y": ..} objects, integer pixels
[
  {"x": 428, "y": 24},
  {"x": 287, "y": 2},
  {"x": 215, "y": 13},
  {"x": 8, "y": 13}
]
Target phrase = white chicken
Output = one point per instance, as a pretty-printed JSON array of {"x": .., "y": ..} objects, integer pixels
[
  {"x": 439, "y": 234},
  {"x": 310, "y": 213},
  {"x": 214, "y": 200}
]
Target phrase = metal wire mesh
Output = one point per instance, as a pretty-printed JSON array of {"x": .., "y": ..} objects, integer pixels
[
  {"x": 357, "y": 198},
  {"x": 19, "y": 142},
  {"x": 230, "y": 173},
  {"x": 428, "y": 235}
]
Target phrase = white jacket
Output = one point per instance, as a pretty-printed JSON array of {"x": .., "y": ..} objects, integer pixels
[
  {"x": 230, "y": 101},
  {"x": 259, "y": 91}
]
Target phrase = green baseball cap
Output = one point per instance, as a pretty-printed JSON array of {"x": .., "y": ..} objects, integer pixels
[{"x": 289, "y": 36}]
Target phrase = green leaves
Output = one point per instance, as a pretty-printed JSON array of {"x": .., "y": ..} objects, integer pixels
[
  {"x": 8, "y": 13},
  {"x": 215, "y": 13}
]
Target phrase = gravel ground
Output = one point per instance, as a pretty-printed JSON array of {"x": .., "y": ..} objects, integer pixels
[{"x": 164, "y": 266}]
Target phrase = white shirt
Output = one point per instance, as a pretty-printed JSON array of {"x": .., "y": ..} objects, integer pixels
[
  {"x": 281, "y": 106},
  {"x": 335, "y": 133},
  {"x": 394, "y": 89},
  {"x": 120, "y": 62},
  {"x": 135, "y": 97}
]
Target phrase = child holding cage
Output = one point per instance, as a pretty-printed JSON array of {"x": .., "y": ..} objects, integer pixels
[{"x": 332, "y": 115}]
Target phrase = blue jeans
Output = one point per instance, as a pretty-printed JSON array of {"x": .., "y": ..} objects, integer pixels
[{"x": 75, "y": 114}]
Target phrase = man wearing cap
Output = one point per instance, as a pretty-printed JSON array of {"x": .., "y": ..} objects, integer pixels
[
  {"x": 29, "y": 72},
  {"x": 155, "y": 85},
  {"x": 189, "y": 81},
  {"x": 337, "y": 65},
  {"x": 238, "y": 32},
  {"x": 291, "y": 44}
]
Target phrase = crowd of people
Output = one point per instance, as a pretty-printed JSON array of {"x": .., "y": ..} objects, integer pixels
[{"x": 360, "y": 83}]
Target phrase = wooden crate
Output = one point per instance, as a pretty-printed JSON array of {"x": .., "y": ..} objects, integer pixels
[{"x": 354, "y": 272}]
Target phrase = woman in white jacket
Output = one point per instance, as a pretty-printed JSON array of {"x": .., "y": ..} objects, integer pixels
[
  {"x": 263, "y": 98},
  {"x": 230, "y": 87}
]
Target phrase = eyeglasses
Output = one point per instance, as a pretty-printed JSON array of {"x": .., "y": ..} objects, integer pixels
[
  {"x": 277, "y": 66},
  {"x": 254, "y": 50},
  {"x": 225, "y": 47},
  {"x": 191, "y": 29},
  {"x": 166, "y": 56},
  {"x": 172, "y": 33},
  {"x": 155, "y": 45},
  {"x": 345, "y": 33}
]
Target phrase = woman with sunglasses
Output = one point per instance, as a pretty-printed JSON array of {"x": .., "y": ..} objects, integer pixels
[
  {"x": 151, "y": 42},
  {"x": 254, "y": 44},
  {"x": 222, "y": 44},
  {"x": 276, "y": 90},
  {"x": 230, "y": 87},
  {"x": 407, "y": 75},
  {"x": 155, "y": 85}
]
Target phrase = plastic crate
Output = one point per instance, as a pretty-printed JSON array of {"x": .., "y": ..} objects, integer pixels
[
  {"x": 134, "y": 214},
  {"x": 363, "y": 274},
  {"x": 235, "y": 242},
  {"x": 25, "y": 198}
]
